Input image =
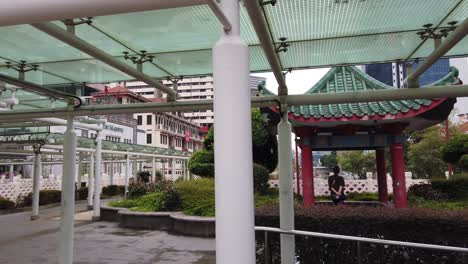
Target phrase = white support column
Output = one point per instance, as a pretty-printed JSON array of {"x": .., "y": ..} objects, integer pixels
[
  {"x": 78, "y": 176},
  {"x": 37, "y": 170},
  {"x": 111, "y": 172},
  {"x": 153, "y": 169},
  {"x": 127, "y": 173},
  {"x": 90, "y": 181},
  {"x": 68, "y": 195},
  {"x": 286, "y": 188},
  {"x": 97, "y": 178},
  {"x": 235, "y": 237},
  {"x": 12, "y": 170},
  {"x": 174, "y": 176}
]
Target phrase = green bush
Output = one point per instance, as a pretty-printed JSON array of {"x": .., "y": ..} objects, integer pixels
[
  {"x": 151, "y": 202},
  {"x": 364, "y": 196},
  {"x": 197, "y": 196},
  {"x": 463, "y": 162},
  {"x": 201, "y": 163},
  {"x": 45, "y": 197},
  {"x": 82, "y": 193},
  {"x": 426, "y": 191},
  {"x": 136, "y": 189},
  {"x": 455, "y": 148},
  {"x": 261, "y": 177},
  {"x": 441, "y": 227},
  {"x": 454, "y": 188},
  {"x": 6, "y": 204},
  {"x": 125, "y": 203},
  {"x": 113, "y": 190}
]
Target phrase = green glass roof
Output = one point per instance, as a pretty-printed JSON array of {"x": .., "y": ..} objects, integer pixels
[
  {"x": 320, "y": 33},
  {"x": 351, "y": 79}
]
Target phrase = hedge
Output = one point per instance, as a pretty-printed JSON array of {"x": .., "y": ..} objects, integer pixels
[
  {"x": 197, "y": 196},
  {"x": 455, "y": 188},
  {"x": 6, "y": 204},
  {"x": 113, "y": 190},
  {"x": 414, "y": 225},
  {"x": 45, "y": 197}
]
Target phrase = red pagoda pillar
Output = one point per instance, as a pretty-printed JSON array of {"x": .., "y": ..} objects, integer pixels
[
  {"x": 307, "y": 175},
  {"x": 398, "y": 176},
  {"x": 381, "y": 175}
]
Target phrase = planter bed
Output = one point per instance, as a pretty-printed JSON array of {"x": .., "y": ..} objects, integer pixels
[{"x": 174, "y": 222}]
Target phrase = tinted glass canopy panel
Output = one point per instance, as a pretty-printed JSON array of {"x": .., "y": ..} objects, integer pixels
[{"x": 320, "y": 33}]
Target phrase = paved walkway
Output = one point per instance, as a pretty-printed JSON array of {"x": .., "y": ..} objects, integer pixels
[{"x": 25, "y": 241}]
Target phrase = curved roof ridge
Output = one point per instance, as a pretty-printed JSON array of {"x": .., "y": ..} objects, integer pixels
[
  {"x": 320, "y": 84},
  {"x": 450, "y": 78}
]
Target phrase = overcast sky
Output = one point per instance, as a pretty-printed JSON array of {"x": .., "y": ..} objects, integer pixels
[{"x": 300, "y": 81}]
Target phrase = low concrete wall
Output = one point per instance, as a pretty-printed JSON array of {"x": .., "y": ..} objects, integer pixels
[
  {"x": 174, "y": 222},
  {"x": 141, "y": 220},
  {"x": 110, "y": 214},
  {"x": 193, "y": 225}
]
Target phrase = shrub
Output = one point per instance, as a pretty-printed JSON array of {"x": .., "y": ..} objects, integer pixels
[
  {"x": 136, "y": 189},
  {"x": 82, "y": 193},
  {"x": 45, "y": 197},
  {"x": 6, "y": 204},
  {"x": 463, "y": 162},
  {"x": 364, "y": 196},
  {"x": 261, "y": 176},
  {"x": 201, "y": 163},
  {"x": 455, "y": 148},
  {"x": 197, "y": 197},
  {"x": 425, "y": 191},
  {"x": 454, "y": 188},
  {"x": 125, "y": 203},
  {"x": 113, "y": 190},
  {"x": 415, "y": 225},
  {"x": 151, "y": 202}
]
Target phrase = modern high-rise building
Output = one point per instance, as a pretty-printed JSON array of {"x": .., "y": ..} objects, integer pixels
[
  {"x": 194, "y": 88},
  {"x": 393, "y": 74}
]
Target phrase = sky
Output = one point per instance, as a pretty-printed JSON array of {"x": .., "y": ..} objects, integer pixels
[{"x": 300, "y": 81}]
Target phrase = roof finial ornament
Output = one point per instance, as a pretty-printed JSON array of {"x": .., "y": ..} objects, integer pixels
[
  {"x": 436, "y": 32},
  {"x": 139, "y": 59},
  {"x": 22, "y": 67}
]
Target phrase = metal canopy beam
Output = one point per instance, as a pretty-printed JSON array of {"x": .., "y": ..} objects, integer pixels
[
  {"x": 29, "y": 86},
  {"x": 80, "y": 44},
  {"x": 258, "y": 20},
  {"x": 450, "y": 91},
  {"x": 444, "y": 47},
  {"x": 27, "y": 12}
]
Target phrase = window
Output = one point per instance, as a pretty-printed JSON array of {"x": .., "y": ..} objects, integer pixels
[
  {"x": 149, "y": 139},
  {"x": 149, "y": 119},
  {"x": 139, "y": 120}
]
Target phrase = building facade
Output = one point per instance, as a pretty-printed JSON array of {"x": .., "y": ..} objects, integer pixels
[{"x": 195, "y": 88}]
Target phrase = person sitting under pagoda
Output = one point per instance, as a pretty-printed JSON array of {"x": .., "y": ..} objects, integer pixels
[{"x": 336, "y": 185}]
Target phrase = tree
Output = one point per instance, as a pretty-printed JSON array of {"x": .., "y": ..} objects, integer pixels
[
  {"x": 357, "y": 162},
  {"x": 264, "y": 147},
  {"x": 425, "y": 153},
  {"x": 330, "y": 160},
  {"x": 455, "y": 148}
]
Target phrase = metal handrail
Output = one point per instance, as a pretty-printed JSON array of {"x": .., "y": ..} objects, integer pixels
[{"x": 361, "y": 239}]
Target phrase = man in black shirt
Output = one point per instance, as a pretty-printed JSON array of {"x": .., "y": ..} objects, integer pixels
[{"x": 336, "y": 185}]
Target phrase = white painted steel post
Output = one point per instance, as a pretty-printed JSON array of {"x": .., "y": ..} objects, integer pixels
[
  {"x": 286, "y": 188},
  {"x": 68, "y": 195},
  {"x": 153, "y": 169},
  {"x": 111, "y": 172},
  {"x": 97, "y": 178},
  {"x": 235, "y": 237},
  {"x": 36, "y": 183},
  {"x": 127, "y": 173},
  {"x": 80, "y": 168},
  {"x": 12, "y": 170},
  {"x": 173, "y": 170},
  {"x": 90, "y": 181}
]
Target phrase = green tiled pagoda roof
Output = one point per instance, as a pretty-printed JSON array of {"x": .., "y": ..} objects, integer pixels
[{"x": 351, "y": 79}]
